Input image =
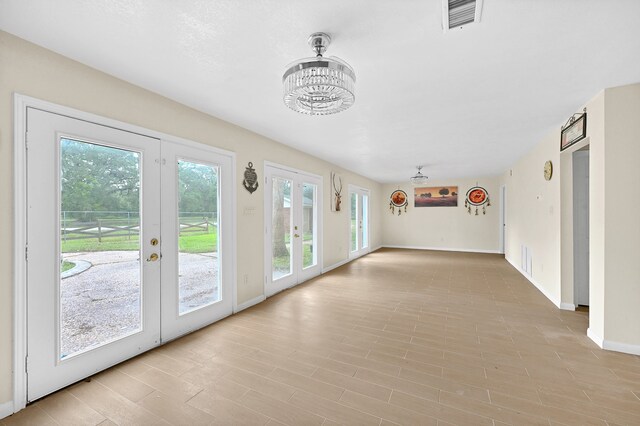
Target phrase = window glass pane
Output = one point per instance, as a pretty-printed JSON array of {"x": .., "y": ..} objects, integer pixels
[
  {"x": 309, "y": 217},
  {"x": 354, "y": 222},
  {"x": 100, "y": 282},
  {"x": 198, "y": 242},
  {"x": 281, "y": 227}
]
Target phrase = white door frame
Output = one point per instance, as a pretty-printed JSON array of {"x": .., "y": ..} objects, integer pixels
[
  {"x": 21, "y": 103},
  {"x": 267, "y": 208},
  {"x": 503, "y": 219}
]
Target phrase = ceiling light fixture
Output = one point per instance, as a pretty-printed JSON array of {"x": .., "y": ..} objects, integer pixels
[
  {"x": 319, "y": 85},
  {"x": 419, "y": 178}
]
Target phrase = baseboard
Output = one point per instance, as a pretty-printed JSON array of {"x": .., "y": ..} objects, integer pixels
[
  {"x": 249, "y": 303},
  {"x": 567, "y": 306},
  {"x": 6, "y": 409},
  {"x": 597, "y": 339},
  {"x": 335, "y": 265},
  {"x": 621, "y": 347},
  {"x": 463, "y": 250},
  {"x": 536, "y": 284}
]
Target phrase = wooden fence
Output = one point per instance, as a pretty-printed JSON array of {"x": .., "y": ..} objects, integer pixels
[{"x": 101, "y": 228}]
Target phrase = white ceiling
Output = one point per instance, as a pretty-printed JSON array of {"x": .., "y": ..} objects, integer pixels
[{"x": 464, "y": 103}]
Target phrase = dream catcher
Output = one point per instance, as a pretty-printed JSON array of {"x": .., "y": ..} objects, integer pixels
[
  {"x": 476, "y": 197},
  {"x": 398, "y": 199}
]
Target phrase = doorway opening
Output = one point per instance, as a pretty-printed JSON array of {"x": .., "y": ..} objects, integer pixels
[{"x": 580, "y": 168}]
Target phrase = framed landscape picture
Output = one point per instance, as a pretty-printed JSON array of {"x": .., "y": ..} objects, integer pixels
[{"x": 436, "y": 196}]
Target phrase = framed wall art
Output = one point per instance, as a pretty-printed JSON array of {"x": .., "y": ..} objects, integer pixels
[
  {"x": 435, "y": 196},
  {"x": 574, "y": 131}
]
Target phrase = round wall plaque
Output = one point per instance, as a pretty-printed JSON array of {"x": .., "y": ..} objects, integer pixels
[{"x": 548, "y": 170}]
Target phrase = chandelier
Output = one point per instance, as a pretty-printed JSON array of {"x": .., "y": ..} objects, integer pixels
[
  {"x": 419, "y": 178},
  {"x": 319, "y": 85}
]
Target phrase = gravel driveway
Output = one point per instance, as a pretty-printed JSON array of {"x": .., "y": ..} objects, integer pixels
[{"x": 103, "y": 302}]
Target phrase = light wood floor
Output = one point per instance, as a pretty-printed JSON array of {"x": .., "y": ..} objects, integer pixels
[{"x": 406, "y": 337}]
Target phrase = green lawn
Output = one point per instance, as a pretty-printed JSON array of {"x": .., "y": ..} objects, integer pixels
[
  {"x": 282, "y": 263},
  {"x": 189, "y": 242},
  {"x": 66, "y": 265}
]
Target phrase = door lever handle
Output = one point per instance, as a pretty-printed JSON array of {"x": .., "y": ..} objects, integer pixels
[{"x": 154, "y": 257}]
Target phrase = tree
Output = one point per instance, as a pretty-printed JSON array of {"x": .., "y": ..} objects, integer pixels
[
  {"x": 98, "y": 178},
  {"x": 444, "y": 192},
  {"x": 281, "y": 189},
  {"x": 197, "y": 188}
]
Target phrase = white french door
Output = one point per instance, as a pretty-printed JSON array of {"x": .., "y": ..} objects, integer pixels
[
  {"x": 359, "y": 229},
  {"x": 293, "y": 221},
  {"x": 127, "y": 240},
  {"x": 196, "y": 224}
]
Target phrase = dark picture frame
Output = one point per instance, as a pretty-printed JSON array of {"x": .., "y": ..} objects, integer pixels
[{"x": 574, "y": 132}]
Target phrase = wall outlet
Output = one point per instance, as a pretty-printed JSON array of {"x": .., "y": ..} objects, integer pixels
[{"x": 246, "y": 279}]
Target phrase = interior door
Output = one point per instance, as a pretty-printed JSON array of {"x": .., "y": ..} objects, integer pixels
[
  {"x": 359, "y": 229},
  {"x": 91, "y": 304},
  {"x": 197, "y": 225},
  {"x": 293, "y": 225}
]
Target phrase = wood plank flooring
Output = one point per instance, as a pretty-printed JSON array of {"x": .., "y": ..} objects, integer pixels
[{"x": 396, "y": 337}]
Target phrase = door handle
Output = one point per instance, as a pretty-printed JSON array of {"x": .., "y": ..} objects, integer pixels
[
  {"x": 154, "y": 257},
  {"x": 296, "y": 235}
]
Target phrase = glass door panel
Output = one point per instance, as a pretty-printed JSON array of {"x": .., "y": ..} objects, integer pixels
[
  {"x": 359, "y": 202},
  {"x": 197, "y": 228},
  {"x": 100, "y": 291},
  {"x": 309, "y": 229},
  {"x": 364, "y": 222},
  {"x": 281, "y": 224},
  {"x": 354, "y": 222}
]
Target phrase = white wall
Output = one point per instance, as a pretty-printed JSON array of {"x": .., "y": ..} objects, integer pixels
[
  {"x": 30, "y": 70},
  {"x": 622, "y": 219},
  {"x": 446, "y": 228},
  {"x": 540, "y": 215}
]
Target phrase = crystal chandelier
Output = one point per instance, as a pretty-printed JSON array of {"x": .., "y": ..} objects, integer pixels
[
  {"x": 319, "y": 85},
  {"x": 419, "y": 178}
]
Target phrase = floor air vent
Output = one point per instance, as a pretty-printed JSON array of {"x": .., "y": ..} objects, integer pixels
[{"x": 458, "y": 13}]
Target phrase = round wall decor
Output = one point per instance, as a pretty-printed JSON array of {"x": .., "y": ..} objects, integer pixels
[
  {"x": 477, "y": 196},
  {"x": 398, "y": 199},
  {"x": 548, "y": 170}
]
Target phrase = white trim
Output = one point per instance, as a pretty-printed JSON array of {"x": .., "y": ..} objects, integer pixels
[
  {"x": 109, "y": 122},
  {"x": 6, "y": 409},
  {"x": 378, "y": 247},
  {"x": 621, "y": 347},
  {"x": 19, "y": 254},
  {"x": 567, "y": 306},
  {"x": 597, "y": 339},
  {"x": 249, "y": 303},
  {"x": 336, "y": 265},
  {"x": 464, "y": 250},
  {"x": 542, "y": 290},
  {"x": 291, "y": 169}
]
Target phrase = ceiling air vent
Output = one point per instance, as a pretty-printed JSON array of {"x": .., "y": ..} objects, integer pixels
[{"x": 458, "y": 13}]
